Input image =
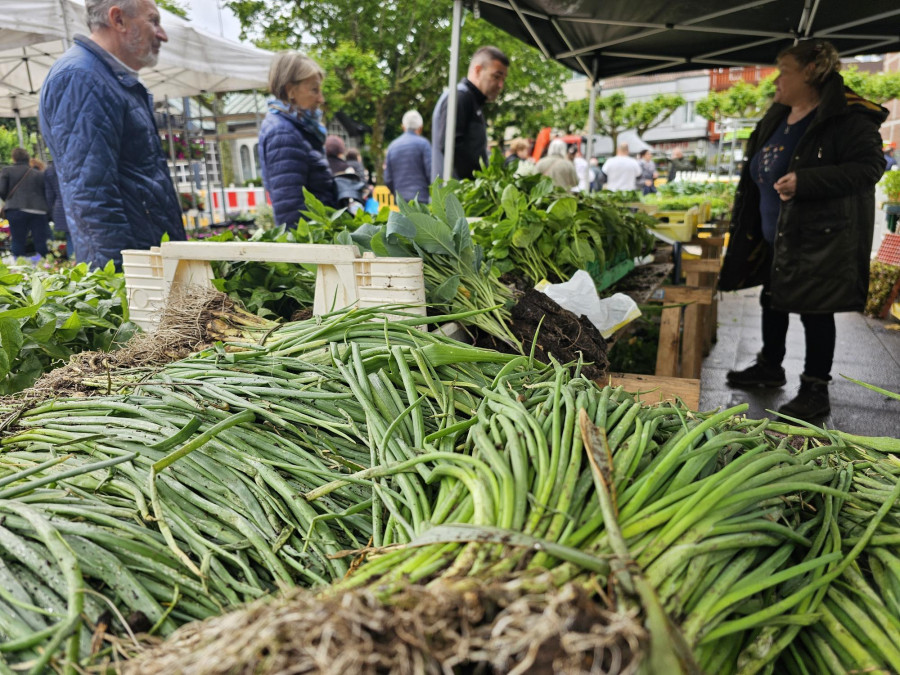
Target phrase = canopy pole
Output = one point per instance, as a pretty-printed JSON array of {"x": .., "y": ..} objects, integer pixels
[
  {"x": 592, "y": 119},
  {"x": 186, "y": 131},
  {"x": 221, "y": 158},
  {"x": 450, "y": 131},
  {"x": 19, "y": 127},
  {"x": 171, "y": 138}
]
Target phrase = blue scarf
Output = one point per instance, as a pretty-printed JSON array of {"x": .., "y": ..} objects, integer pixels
[{"x": 309, "y": 120}]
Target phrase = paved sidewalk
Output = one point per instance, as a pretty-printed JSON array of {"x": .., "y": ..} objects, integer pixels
[{"x": 866, "y": 350}]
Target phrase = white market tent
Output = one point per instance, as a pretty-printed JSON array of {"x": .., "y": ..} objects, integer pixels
[{"x": 34, "y": 33}]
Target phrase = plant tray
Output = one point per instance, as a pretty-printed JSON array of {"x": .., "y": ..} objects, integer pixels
[{"x": 605, "y": 278}]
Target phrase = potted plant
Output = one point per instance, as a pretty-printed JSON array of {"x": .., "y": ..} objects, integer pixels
[
  {"x": 190, "y": 201},
  {"x": 891, "y": 184}
]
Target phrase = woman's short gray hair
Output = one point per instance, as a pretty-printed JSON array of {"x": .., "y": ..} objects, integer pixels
[
  {"x": 289, "y": 68},
  {"x": 557, "y": 148},
  {"x": 412, "y": 120},
  {"x": 822, "y": 54},
  {"x": 97, "y": 11}
]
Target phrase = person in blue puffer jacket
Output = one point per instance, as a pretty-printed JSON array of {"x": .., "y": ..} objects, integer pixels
[
  {"x": 292, "y": 137},
  {"x": 97, "y": 119}
]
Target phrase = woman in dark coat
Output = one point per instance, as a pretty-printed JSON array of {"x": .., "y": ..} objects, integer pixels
[
  {"x": 291, "y": 139},
  {"x": 804, "y": 216},
  {"x": 22, "y": 189}
]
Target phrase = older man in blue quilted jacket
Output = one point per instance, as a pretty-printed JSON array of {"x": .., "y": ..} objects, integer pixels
[
  {"x": 407, "y": 165},
  {"x": 97, "y": 120}
]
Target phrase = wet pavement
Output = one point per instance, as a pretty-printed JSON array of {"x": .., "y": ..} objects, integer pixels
[{"x": 867, "y": 349}]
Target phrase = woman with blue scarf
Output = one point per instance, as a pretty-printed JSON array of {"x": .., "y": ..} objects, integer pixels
[{"x": 292, "y": 136}]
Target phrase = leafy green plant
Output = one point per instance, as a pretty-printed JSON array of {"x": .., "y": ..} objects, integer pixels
[
  {"x": 458, "y": 279},
  {"x": 891, "y": 184},
  {"x": 266, "y": 289},
  {"x": 530, "y": 227},
  {"x": 45, "y": 317}
]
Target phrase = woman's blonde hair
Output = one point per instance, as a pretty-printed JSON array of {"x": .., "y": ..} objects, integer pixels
[
  {"x": 517, "y": 144},
  {"x": 288, "y": 68},
  {"x": 823, "y": 54}
]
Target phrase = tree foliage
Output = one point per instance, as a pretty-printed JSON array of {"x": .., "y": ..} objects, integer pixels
[
  {"x": 877, "y": 87},
  {"x": 384, "y": 57},
  {"x": 9, "y": 140},
  {"x": 614, "y": 114},
  {"x": 750, "y": 101},
  {"x": 173, "y": 6},
  {"x": 743, "y": 100}
]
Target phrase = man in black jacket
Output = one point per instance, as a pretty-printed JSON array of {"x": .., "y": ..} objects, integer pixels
[{"x": 484, "y": 82}]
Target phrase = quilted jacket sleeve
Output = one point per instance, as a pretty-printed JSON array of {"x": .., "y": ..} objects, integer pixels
[
  {"x": 86, "y": 131},
  {"x": 285, "y": 170}
]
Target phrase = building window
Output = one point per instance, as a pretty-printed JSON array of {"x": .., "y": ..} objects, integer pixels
[
  {"x": 690, "y": 112},
  {"x": 246, "y": 167},
  {"x": 256, "y": 160}
]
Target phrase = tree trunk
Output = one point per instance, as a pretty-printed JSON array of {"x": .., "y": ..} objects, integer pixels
[{"x": 377, "y": 143}]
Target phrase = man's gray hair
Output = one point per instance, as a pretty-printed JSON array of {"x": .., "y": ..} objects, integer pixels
[
  {"x": 412, "y": 120},
  {"x": 97, "y": 11}
]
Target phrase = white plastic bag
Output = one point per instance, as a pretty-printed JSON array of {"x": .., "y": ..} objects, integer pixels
[{"x": 579, "y": 296}]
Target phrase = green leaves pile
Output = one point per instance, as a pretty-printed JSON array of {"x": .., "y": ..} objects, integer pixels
[
  {"x": 529, "y": 225},
  {"x": 45, "y": 317},
  {"x": 267, "y": 289}
]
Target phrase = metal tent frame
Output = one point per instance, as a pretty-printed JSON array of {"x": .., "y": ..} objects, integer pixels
[{"x": 607, "y": 38}]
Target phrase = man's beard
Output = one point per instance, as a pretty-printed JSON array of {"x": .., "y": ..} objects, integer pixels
[
  {"x": 149, "y": 60},
  {"x": 142, "y": 53}
]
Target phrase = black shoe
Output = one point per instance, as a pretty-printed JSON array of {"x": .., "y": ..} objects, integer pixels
[
  {"x": 811, "y": 402},
  {"x": 760, "y": 374}
]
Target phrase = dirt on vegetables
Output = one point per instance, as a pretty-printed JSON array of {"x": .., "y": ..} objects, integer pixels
[
  {"x": 461, "y": 626},
  {"x": 559, "y": 333}
]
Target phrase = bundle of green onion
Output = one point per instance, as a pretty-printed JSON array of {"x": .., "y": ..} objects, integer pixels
[{"x": 251, "y": 468}]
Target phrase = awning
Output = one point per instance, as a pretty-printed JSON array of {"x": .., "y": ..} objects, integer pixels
[
  {"x": 34, "y": 33},
  {"x": 627, "y": 37}
]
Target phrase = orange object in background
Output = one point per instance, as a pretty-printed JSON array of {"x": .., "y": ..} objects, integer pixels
[
  {"x": 545, "y": 136},
  {"x": 541, "y": 143}
]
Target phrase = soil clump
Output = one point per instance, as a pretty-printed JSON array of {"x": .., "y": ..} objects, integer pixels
[{"x": 556, "y": 332}]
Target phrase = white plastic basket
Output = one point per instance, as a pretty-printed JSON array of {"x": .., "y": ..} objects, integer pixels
[
  {"x": 343, "y": 278},
  {"x": 390, "y": 281},
  {"x": 144, "y": 286}
]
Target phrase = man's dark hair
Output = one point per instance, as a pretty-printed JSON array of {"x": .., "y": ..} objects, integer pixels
[
  {"x": 484, "y": 55},
  {"x": 20, "y": 155}
]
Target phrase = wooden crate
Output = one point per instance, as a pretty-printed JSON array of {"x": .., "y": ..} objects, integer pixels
[
  {"x": 681, "y": 341},
  {"x": 653, "y": 389}
]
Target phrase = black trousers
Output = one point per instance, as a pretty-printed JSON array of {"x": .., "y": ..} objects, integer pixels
[{"x": 818, "y": 331}]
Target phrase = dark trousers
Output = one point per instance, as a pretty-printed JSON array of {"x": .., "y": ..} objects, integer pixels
[
  {"x": 21, "y": 224},
  {"x": 818, "y": 331}
]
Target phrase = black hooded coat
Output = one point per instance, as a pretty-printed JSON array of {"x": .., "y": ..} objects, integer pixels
[{"x": 819, "y": 262}]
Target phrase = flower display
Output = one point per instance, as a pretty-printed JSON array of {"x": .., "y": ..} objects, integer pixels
[
  {"x": 190, "y": 201},
  {"x": 185, "y": 148}
]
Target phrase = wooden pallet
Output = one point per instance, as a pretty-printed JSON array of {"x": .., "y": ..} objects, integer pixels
[{"x": 655, "y": 389}]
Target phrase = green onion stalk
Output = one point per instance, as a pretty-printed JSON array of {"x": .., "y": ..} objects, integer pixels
[{"x": 355, "y": 450}]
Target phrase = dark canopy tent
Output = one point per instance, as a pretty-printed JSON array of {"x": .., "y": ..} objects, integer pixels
[
  {"x": 608, "y": 38},
  {"x": 605, "y": 38}
]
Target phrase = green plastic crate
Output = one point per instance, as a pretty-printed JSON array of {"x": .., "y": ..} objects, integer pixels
[{"x": 606, "y": 277}]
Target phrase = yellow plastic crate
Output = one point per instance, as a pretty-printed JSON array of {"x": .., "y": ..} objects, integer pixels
[{"x": 678, "y": 225}]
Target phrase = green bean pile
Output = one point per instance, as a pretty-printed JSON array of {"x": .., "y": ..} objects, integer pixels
[{"x": 344, "y": 452}]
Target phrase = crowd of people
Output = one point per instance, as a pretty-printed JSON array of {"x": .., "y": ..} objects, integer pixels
[{"x": 112, "y": 177}]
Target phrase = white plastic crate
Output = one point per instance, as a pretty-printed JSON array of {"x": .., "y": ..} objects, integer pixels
[
  {"x": 390, "y": 281},
  {"x": 144, "y": 286},
  {"x": 343, "y": 278}
]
